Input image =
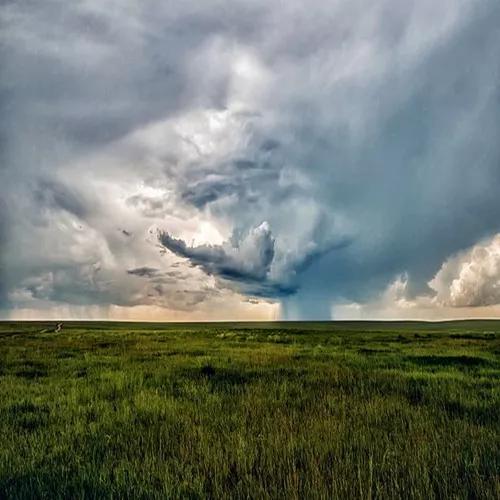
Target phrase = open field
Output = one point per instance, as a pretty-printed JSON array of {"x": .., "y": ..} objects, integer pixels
[{"x": 278, "y": 410}]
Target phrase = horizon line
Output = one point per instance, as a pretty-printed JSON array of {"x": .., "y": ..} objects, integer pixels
[{"x": 454, "y": 320}]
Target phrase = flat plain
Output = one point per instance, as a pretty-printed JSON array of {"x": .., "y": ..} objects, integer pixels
[{"x": 250, "y": 410}]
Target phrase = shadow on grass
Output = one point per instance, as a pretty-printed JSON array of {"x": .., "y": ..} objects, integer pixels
[
  {"x": 477, "y": 414},
  {"x": 32, "y": 370},
  {"x": 223, "y": 377},
  {"x": 449, "y": 361},
  {"x": 373, "y": 351},
  {"x": 473, "y": 336},
  {"x": 26, "y": 415},
  {"x": 57, "y": 481}
]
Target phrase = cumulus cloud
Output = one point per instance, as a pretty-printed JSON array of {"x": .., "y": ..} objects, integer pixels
[{"x": 471, "y": 278}]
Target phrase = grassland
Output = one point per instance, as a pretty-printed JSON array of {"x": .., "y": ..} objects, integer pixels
[{"x": 279, "y": 410}]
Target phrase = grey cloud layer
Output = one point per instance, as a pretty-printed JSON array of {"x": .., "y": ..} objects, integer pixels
[{"x": 365, "y": 135}]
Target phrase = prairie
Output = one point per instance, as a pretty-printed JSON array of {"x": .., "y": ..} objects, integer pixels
[{"x": 250, "y": 410}]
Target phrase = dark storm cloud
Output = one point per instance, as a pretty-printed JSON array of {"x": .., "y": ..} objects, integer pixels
[
  {"x": 93, "y": 73},
  {"x": 207, "y": 192},
  {"x": 251, "y": 279},
  {"x": 148, "y": 206},
  {"x": 430, "y": 170},
  {"x": 248, "y": 260},
  {"x": 213, "y": 188},
  {"x": 240, "y": 177},
  {"x": 144, "y": 272},
  {"x": 55, "y": 195},
  {"x": 365, "y": 134}
]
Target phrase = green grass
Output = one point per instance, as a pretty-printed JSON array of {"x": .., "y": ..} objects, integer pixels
[{"x": 263, "y": 410}]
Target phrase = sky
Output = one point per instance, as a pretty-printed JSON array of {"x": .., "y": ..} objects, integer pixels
[{"x": 249, "y": 160}]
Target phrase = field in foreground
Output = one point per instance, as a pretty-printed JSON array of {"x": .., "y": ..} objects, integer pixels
[{"x": 279, "y": 410}]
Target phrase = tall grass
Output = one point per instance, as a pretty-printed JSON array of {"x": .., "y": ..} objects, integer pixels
[{"x": 342, "y": 410}]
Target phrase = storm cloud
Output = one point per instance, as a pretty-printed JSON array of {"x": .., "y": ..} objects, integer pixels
[
  {"x": 250, "y": 258},
  {"x": 364, "y": 135},
  {"x": 247, "y": 262}
]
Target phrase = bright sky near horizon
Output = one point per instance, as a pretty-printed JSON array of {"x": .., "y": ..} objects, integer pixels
[{"x": 212, "y": 160}]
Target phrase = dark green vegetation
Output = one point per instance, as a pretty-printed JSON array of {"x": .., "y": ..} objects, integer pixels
[{"x": 298, "y": 410}]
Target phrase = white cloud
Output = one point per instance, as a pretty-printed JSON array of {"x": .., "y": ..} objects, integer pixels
[{"x": 471, "y": 278}]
